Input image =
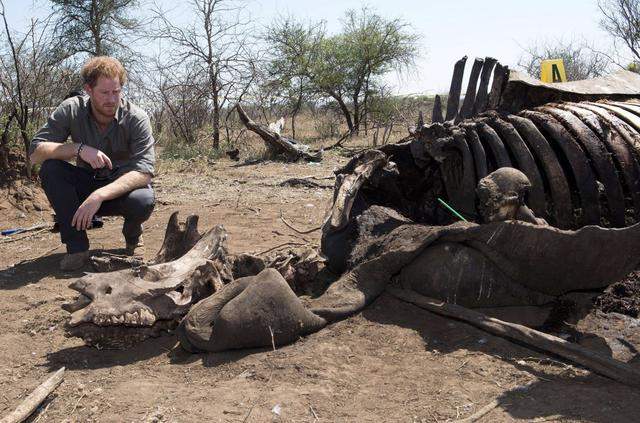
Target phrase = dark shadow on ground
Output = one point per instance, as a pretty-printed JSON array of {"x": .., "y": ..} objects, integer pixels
[
  {"x": 88, "y": 357},
  {"x": 85, "y": 357},
  {"x": 180, "y": 356},
  {"x": 546, "y": 397},
  {"x": 32, "y": 271},
  {"x": 250, "y": 162}
]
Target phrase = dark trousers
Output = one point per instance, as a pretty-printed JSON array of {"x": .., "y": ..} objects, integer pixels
[{"x": 67, "y": 186}]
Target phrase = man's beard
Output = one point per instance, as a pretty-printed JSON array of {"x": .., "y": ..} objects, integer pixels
[{"x": 107, "y": 111}]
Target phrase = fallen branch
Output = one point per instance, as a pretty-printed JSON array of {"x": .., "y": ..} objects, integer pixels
[
  {"x": 293, "y": 149},
  {"x": 340, "y": 141},
  {"x": 33, "y": 401},
  {"x": 493, "y": 404},
  {"x": 303, "y": 182},
  {"x": 290, "y": 226},
  {"x": 284, "y": 244},
  {"x": 315, "y": 416},
  {"x": 480, "y": 413},
  {"x": 604, "y": 366},
  {"x": 28, "y": 235}
]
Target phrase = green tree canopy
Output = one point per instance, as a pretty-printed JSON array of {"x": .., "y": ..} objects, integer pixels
[
  {"x": 346, "y": 67},
  {"x": 95, "y": 27}
]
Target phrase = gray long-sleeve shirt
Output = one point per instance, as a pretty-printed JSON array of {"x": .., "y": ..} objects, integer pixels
[{"x": 127, "y": 141}]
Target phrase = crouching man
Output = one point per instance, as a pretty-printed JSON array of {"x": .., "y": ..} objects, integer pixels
[{"x": 112, "y": 146}]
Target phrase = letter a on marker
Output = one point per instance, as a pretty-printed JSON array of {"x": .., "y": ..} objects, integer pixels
[{"x": 552, "y": 71}]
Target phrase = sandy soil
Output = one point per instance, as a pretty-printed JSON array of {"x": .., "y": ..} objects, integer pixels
[{"x": 393, "y": 362}]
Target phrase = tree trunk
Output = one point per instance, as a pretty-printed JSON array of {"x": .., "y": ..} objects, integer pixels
[
  {"x": 4, "y": 144},
  {"x": 293, "y": 125},
  {"x": 4, "y": 158},
  {"x": 216, "y": 121},
  {"x": 287, "y": 146},
  {"x": 27, "y": 142},
  {"x": 365, "y": 106},
  {"x": 356, "y": 114},
  {"x": 345, "y": 112},
  {"x": 294, "y": 113}
]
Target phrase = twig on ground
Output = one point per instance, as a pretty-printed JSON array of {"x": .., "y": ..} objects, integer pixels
[
  {"x": 29, "y": 235},
  {"x": 77, "y": 403},
  {"x": 46, "y": 253},
  {"x": 38, "y": 257},
  {"x": 318, "y": 178},
  {"x": 284, "y": 244},
  {"x": 553, "y": 418},
  {"x": 315, "y": 416},
  {"x": 106, "y": 253},
  {"x": 339, "y": 142},
  {"x": 35, "y": 398},
  {"x": 297, "y": 230},
  {"x": 250, "y": 410},
  {"x": 273, "y": 341},
  {"x": 302, "y": 182},
  {"x": 480, "y": 413},
  {"x": 43, "y": 412},
  {"x": 238, "y": 198},
  {"x": 257, "y": 399},
  {"x": 547, "y": 360},
  {"x": 493, "y": 404},
  {"x": 462, "y": 365}
]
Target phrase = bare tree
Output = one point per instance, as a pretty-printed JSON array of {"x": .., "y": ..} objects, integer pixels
[
  {"x": 7, "y": 115},
  {"x": 621, "y": 19},
  {"x": 184, "y": 102},
  {"x": 214, "y": 48},
  {"x": 30, "y": 78},
  {"x": 580, "y": 60}
]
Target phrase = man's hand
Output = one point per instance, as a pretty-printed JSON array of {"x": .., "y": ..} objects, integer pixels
[
  {"x": 82, "y": 219},
  {"x": 96, "y": 158}
]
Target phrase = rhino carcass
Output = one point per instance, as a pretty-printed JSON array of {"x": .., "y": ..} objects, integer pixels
[{"x": 385, "y": 227}]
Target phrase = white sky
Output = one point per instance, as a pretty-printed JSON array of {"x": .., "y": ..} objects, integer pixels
[{"x": 450, "y": 29}]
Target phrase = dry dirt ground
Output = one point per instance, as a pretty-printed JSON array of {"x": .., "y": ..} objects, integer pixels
[{"x": 393, "y": 362}]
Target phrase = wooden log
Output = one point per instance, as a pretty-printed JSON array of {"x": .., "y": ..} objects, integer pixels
[
  {"x": 454, "y": 91},
  {"x": 482, "y": 99},
  {"x": 604, "y": 366},
  {"x": 35, "y": 398},
  {"x": 292, "y": 149},
  {"x": 470, "y": 97},
  {"x": 436, "y": 115}
]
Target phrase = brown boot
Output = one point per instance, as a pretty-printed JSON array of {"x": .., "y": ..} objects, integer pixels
[
  {"x": 74, "y": 261},
  {"x": 135, "y": 248}
]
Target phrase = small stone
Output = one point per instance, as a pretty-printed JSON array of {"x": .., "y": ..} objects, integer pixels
[{"x": 277, "y": 409}]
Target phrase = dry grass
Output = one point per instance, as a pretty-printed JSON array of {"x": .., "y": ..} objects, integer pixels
[{"x": 317, "y": 129}]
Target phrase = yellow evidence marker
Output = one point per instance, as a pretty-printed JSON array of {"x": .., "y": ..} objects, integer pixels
[{"x": 552, "y": 71}]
